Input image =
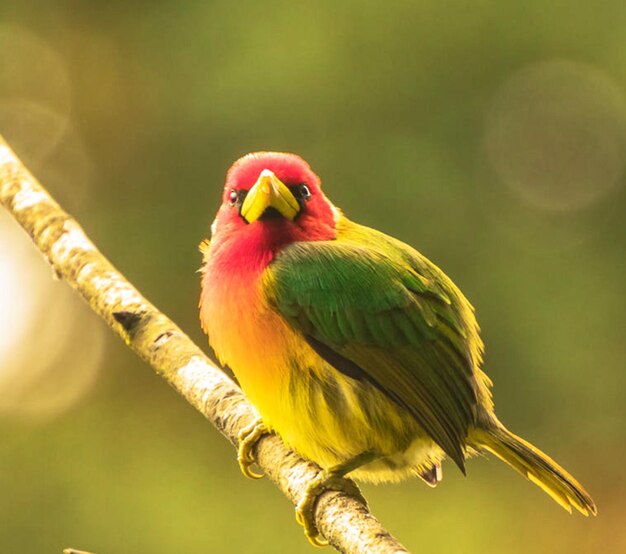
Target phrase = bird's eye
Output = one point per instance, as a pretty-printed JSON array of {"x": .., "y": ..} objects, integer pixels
[
  {"x": 305, "y": 192},
  {"x": 233, "y": 197}
]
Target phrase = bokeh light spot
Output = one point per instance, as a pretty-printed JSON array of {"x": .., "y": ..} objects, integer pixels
[
  {"x": 35, "y": 93},
  {"x": 51, "y": 345},
  {"x": 556, "y": 134}
]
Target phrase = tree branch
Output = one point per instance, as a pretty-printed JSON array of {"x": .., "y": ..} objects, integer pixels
[{"x": 344, "y": 521}]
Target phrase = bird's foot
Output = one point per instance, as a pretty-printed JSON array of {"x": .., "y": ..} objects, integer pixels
[
  {"x": 305, "y": 510},
  {"x": 248, "y": 437}
]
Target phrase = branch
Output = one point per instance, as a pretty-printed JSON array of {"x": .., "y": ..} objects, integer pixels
[{"x": 344, "y": 521}]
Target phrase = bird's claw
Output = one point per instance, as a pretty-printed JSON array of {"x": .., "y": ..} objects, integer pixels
[
  {"x": 305, "y": 510},
  {"x": 248, "y": 437}
]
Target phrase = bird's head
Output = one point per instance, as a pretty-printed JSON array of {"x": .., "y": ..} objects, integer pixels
[{"x": 271, "y": 199}]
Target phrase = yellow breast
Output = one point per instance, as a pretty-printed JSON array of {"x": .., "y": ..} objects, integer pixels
[{"x": 319, "y": 412}]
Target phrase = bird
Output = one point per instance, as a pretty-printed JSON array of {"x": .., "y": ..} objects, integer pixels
[{"x": 356, "y": 349}]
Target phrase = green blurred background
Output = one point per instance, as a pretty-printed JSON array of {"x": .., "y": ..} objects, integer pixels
[{"x": 490, "y": 135}]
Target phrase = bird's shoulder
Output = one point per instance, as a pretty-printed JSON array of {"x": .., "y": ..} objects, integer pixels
[{"x": 361, "y": 259}]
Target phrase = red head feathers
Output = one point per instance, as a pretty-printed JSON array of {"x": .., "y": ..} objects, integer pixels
[{"x": 271, "y": 199}]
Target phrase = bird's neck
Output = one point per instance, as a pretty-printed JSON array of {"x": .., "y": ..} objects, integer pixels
[{"x": 249, "y": 251}]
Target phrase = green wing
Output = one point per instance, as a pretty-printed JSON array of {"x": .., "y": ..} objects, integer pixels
[{"x": 377, "y": 310}]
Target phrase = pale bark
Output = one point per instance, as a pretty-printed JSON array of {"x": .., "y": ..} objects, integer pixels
[{"x": 344, "y": 521}]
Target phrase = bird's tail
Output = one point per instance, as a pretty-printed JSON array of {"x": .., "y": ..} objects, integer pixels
[{"x": 536, "y": 466}]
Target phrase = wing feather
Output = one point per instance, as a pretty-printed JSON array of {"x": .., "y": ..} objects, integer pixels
[{"x": 378, "y": 311}]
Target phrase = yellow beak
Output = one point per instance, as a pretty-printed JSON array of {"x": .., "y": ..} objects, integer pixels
[{"x": 269, "y": 192}]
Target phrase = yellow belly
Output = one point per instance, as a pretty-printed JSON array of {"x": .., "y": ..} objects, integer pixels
[{"x": 322, "y": 414}]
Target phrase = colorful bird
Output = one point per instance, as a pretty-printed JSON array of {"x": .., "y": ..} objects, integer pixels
[{"x": 355, "y": 348}]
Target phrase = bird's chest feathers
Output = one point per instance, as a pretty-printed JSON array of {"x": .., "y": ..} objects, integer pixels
[{"x": 246, "y": 333}]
